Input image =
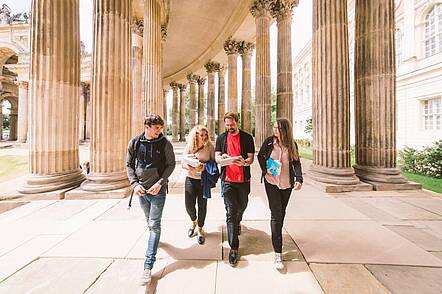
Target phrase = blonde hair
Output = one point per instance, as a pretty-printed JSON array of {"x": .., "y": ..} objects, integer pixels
[{"x": 193, "y": 138}]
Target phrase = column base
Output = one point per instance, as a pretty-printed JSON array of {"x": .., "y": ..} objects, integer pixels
[
  {"x": 79, "y": 193},
  {"x": 333, "y": 176},
  {"x": 105, "y": 182},
  {"x": 384, "y": 179},
  {"x": 36, "y": 184}
]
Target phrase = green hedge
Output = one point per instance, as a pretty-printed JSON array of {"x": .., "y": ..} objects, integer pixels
[{"x": 427, "y": 162}]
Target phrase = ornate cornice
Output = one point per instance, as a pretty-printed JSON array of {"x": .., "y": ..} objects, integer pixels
[
  {"x": 231, "y": 46},
  {"x": 192, "y": 78},
  {"x": 201, "y": 81},
  {"x": 163, "y": 32},
  {"x": 261, "y": 7},
  {"x": 182, "y": 87},
  {"x": 211, "y": 66},
  {"x": 246, "y": 48},
  {"x": 221, "y": 70},
  {"x": 138, "y": 26},
  {"x": 282, "y": 9}
]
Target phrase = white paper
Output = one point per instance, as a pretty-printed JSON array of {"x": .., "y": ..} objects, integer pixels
[
  {"x": 229, "y": 160},
  {"x": 191, "y": 161}
]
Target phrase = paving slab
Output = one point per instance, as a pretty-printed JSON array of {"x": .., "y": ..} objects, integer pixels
[
  {"x": 365, "y": 242},
  {"x": 437, "y": 254},
  {"x": 26, "y": 209},
  {"x": 8, "y": 205},
  {"x": 346, "y": 279},
  {"x": 432, "y": 227},
  {"x": 175, "y": 243},
  {"x": 261, "y": 277},
  {"x": 402, "y": 210},
  {"x": 382, "y": 194},
  {"x": 255, "y": 243},
  {"x": 369, "y": 210},
  {"x": 320, "y": 208},
  {"x": 55, "y": 275},
  {"x": 123, "y": 275},
  {"x": 433, "y": 205},
  {"x": 419, "y": 237},
  {"x": 408, "y": 280},
  {"x": 61, "y": 210},
  {"x": 100, "y": 239},
  {"x": 175, "y": 209},
  {"x": 26, "y": 253},
  {"x": 186, "y": 276}
]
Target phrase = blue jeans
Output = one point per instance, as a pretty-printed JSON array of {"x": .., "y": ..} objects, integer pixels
[{"x": 153, "y": 209}]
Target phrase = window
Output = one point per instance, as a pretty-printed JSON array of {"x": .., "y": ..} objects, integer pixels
[
  {"x": 398, "y": 43},
  {"x": 433, "y": 31},
  {"x": 432, "y": 112}
]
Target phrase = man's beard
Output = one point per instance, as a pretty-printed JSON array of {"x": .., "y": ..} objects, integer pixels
[{"x": 232, "y": 130}]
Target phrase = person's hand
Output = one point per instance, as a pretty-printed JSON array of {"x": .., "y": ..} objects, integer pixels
[
  {"x": 200, "y": 168},
  {"x": 154, "y": 189},
  {"x": 225, "y": 155},
  {"x": 298, "y": 186},
  {"x": 139, "y": 190},
  {"x": 239, "y": 162}
]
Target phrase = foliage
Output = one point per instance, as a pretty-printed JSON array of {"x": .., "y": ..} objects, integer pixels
[
  {"x": 309, "y": 126},
  {"x": 427, "y": 162},
  {"x": 6, "y": 121}
]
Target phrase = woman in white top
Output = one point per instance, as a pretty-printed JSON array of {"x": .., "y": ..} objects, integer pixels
[{"x": 198, "y": 150}]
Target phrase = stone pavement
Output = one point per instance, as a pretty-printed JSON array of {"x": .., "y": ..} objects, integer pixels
[{"x": 358, "y": 242}]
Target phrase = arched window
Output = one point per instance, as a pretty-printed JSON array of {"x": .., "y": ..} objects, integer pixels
[{"x": 433, "y": 31}]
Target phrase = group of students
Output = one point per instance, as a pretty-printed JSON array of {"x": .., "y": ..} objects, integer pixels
[{"x": 151, "y": 160}]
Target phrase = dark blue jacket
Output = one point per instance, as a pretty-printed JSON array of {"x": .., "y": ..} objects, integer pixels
[{"x": 209, "y": 177}]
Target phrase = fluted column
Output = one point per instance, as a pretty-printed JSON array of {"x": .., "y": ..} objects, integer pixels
[
  {"x": 331, "y": 95},
  {"x": 13, "y": 120},
  {"x": 246, "y": 50},
  {"x": 375, "y": 93},
  {"x": 165, "y": 91},
  {"x": 175, "y": 112},
  {"x": 221, "y": 99},
  {"x": 153, "y": 94},
  {"x": 282, "y": 10},
  {"x": 54, "y": 91},
  {"x": 111, "y": 95},
  {"x": 201, "y": 101},
  {"x": 138, "y": 107},
  {"x": 82, "y": 113},
  {"x": 183, "y": 88},
  {"x": 193, "y": 101},
  {"x": 23, "y": 114},
  {"x": 211, "y": 68},
  {"x": 231, "y": 49},
  {"x": 260, "y": 9},
  {"x": 88, "y": 101}
]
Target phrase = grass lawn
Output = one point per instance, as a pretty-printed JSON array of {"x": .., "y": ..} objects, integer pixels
[
  {"x": 428, "y": 183},
  {"x": 12, "y": 166}
]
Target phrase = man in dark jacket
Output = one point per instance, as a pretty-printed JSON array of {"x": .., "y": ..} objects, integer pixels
[
  {"x": 235, "y": 178},
  {"x": 150, "y": 162}
]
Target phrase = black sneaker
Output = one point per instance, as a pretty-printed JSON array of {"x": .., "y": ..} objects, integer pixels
[{"x": 233, "y": 257}]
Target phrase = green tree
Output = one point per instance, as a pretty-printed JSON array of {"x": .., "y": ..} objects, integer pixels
[
  {"x": 308, "y": 127},
  {"x": 6, "y": 121}
]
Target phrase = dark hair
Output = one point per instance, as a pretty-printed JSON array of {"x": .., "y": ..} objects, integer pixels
[
  {"x": 231, "y": 115},
  {"x": 153, "y": 119},
  {"x": 286, "y": 134}
]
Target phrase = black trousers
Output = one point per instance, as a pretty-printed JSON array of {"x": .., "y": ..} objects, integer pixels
[
  {"x": 236, "y": 198},
  {"x": 278, "y": 200},
  {"x": 193, "y": 194}
]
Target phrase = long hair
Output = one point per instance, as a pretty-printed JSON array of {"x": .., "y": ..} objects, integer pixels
[
  {"x": 194, "y": 138},
  {"x": 286, "y": 134}
]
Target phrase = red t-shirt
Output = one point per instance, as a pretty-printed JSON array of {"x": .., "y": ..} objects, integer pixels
[{"x": 234, "y": 173}]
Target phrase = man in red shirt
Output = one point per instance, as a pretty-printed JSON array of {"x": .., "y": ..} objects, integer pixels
[{"x": 235, "y": 178}]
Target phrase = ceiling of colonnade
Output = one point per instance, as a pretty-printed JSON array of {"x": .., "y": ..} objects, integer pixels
[{"x": 196, "y": 33}]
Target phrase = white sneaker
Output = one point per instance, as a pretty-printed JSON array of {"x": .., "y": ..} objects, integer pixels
[
  {"x": 145, "y": 277},
  {"x": 278, "y": 261}
]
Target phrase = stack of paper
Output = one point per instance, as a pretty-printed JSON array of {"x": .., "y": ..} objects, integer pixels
[{"x": 229, "y": 160}]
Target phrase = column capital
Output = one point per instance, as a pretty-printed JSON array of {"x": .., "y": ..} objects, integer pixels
[
  {"x": 201, "y": 81},
  {"x": 221, "y": 70},
  {"x": 259, "y": 8},
  {"x": 138, "y": 26},
  {"x": 231, "y": 46},
  {"x": 212, "y": 66},
  {"x": 22, "y": 84},
  {"x": 174, "y": 85},
  {"x": 182, "y": 87},
  {"x": 192, "y": 78},
  {"x": 282, "y": 9},
  {"x": 246, "y": 48}
]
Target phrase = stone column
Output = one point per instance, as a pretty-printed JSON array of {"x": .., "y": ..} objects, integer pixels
[
  {"x": 193, "y": 105},
  {"x": 231, "y": 49},
  {"x": 138, "y": 107},
  {"x": 260, "y": 9},
  {"x": 165, "y": 91},
  {"x": 153, "y": 94},
  {"x": 182, "y": 88},
  {"x": 375, "y": 95},
  {"x": 282, "y": 11},
  {"x": 175, "y": 112},
  {"x": 211, "y": 68},
  {"x": 1, "y": 119},
  {"x": 54, "y": 91},
  {"x": 111, "y": 99},
  {"x": 246, "y": 50},
  {"x": 13, "y": 120},
  {"x": 23, "y": 114},
  {"x": 221, "y": 99},
  {"x": 201, "y": 101},
  {"x": 331, "y": 95},
  {"x": 88, "y": 101},
  {"x": 82, "y": 113}
]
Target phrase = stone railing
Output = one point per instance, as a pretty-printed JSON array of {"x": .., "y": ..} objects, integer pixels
[{"x": 6, "y": 16}]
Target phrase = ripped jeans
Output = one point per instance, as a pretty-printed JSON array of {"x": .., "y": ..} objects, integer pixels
[{"x": 153, "y": 209}]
